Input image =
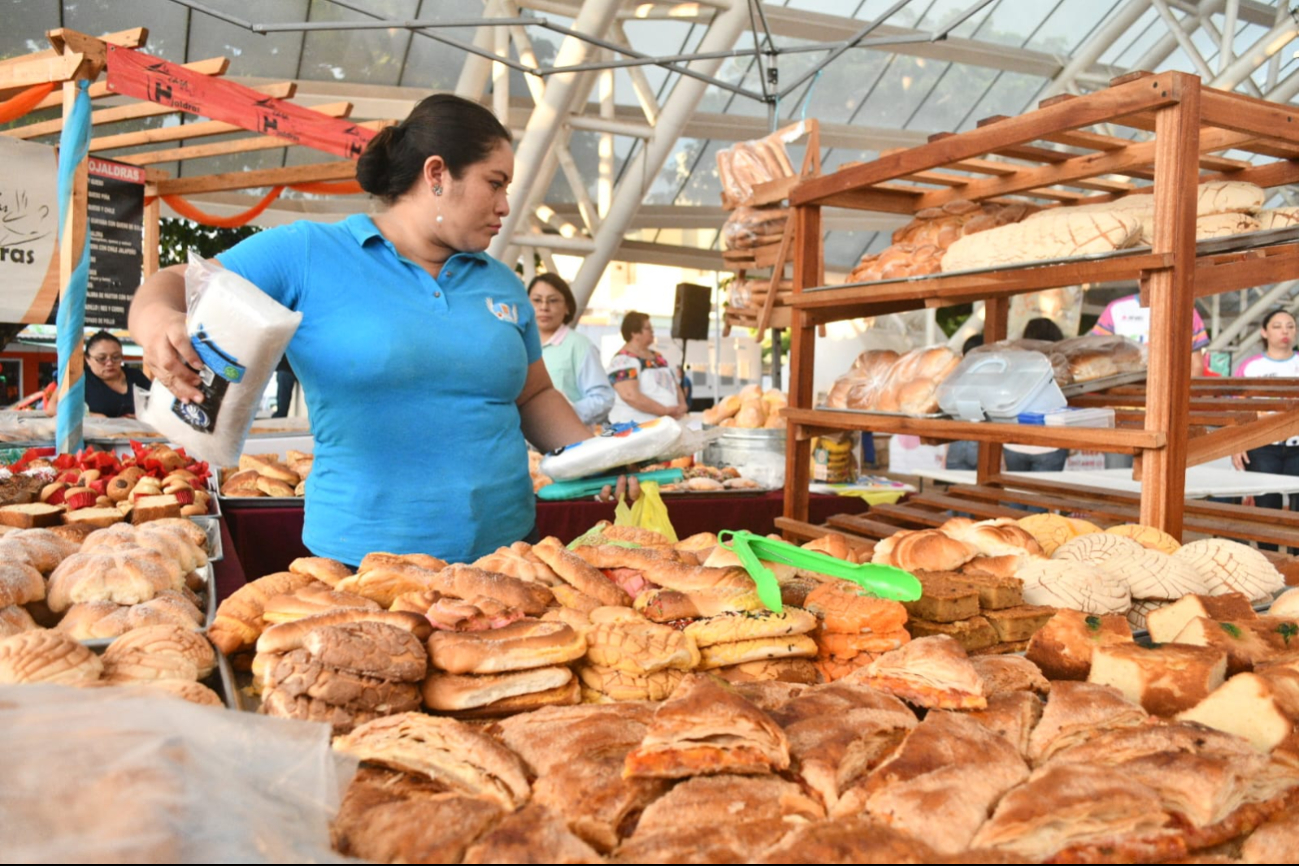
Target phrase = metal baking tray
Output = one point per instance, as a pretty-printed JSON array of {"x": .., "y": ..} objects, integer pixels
[
  {"x": 1210, "y": 246},
  {"x": 824, "y": 408},
  {"x": 1073, "y": 389},
  {"x": 209, "y": 608}
]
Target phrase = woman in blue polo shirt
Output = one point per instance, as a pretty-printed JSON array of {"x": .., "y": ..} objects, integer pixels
[{"x": 418, "y": 354}]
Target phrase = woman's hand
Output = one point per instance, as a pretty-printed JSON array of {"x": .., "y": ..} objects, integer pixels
[
  {"x": 1239, "y": 460},
  {"x": 627, "y": 487},
  {"x": 157, "y": 323}
]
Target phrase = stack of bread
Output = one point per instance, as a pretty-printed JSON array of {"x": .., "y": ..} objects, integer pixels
[
  {"x": 630, "y": 658},
  {"x": 752, "y": 408},
  {"x": 123, "y": 577},
  {"x": 1222, "y": 208},
  {"x": 854, "y": 628},
  {"x": 749, "y": 295},
  {"x": 881, "y": 381},
  {"x": 343, "y": 667},
  {"x": 161, "y": 659},
  {"x": 1278, "y": 218},
  {"x": 918, "y": 247},
  {"x": 750, "y": 227},
  {"x": 745, "y": 164},
  {"x": 261, "y": 475}
]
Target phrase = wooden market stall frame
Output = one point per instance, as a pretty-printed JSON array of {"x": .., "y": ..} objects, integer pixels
[{"x": 1191, "y": 124}]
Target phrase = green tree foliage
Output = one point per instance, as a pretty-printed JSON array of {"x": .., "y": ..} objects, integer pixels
[{"x": 176, "y": 237}]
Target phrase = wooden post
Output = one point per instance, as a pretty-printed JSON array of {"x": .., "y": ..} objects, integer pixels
[
  {"x": 1177, "y": 135},
  {"x": 808, "y": 272},
  {"x": 152, "y": 228},
  {"x": 996, "y": 313}
]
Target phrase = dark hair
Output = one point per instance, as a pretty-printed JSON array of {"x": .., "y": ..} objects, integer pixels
[
  {"x": 99, "y": 337},
  {"x": 1271, "y": 314},
  {"x": 633, "y": 323},
  {"x": 972, "y": 342},
  {"x": 1043, "y": 329},
  {"x": 459, "y": 131},
  {"x": 556, "y": 282}
]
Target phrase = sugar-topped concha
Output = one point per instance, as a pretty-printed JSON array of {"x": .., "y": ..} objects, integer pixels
[
  {"x": 1149, "y": 537},
  {"x": 1097, "y": 547},
  {"x": 1073, "y": 584},
  {"x": 1154, "y": 575},
  {"x": 1229, "y": 566}
]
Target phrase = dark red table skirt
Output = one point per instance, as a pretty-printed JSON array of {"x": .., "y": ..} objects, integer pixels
[{"x": 266, "y": 540}]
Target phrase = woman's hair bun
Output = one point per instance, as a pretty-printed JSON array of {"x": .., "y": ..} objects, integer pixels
[{"x": 372, "y": 168}]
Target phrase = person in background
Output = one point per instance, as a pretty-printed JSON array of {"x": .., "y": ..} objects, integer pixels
[
  {"x": 1036, "y": 458},
  {"x": 415, "y": 347},
  {"x": 645, "y": 384},
  {"x": 1277, "y": 360},
  {"x": 1125, "y": 317},
  {"x": 964, "y": 453},
  {"x": 110, "y": 385},
  {"x": 285, "y": 381},
  {"x": 571, "y": 359}
]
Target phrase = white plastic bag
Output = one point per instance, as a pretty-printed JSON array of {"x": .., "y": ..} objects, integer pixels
[
  {"x": 240, "y": 332},
  {"x": 592, "y": 456}
]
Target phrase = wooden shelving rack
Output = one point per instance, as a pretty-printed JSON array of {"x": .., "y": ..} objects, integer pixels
[
  {"x": 1191, "y": 125},
  {"x": 774, "y": 260}
]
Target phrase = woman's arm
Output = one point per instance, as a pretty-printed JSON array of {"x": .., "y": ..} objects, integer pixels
[
  {"x": 549, "y": 421},
  {"x": 629, "y": 391},
  {"x": 597, "y": 394},
  {"x": 157, "y": 323}
]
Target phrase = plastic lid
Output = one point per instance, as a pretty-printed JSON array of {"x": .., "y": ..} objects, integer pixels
[{"x": 1000, "y": 383}]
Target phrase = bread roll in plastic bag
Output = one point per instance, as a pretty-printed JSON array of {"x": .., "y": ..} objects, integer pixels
[
  {"x": 623, "y": 444},
  {"x": 240, "y": 333}
]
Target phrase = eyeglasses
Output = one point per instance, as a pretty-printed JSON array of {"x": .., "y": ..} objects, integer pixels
[
  {"x": 549, "y": 302},
  {"x": 104, "y": 359}
]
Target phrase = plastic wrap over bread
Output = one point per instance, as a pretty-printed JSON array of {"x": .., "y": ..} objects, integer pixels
[
  {"x": 749, "y": 227},
  {"x": 1059, "y": 363},
  {"x": 857, "y": 388},
  {"x": 1095, "y": 356},
  {"x": 907, "y": 387},
  {"x": 745, "y": 164},
  {"x": 240, "y": 333}
]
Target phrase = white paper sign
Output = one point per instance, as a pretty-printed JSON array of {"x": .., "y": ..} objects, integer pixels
[{"x": 29, "y": 231}]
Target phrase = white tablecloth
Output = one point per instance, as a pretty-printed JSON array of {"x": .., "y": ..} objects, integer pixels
[{"x": 1201, "y": 481}]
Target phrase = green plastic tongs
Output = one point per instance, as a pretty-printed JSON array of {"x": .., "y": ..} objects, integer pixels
[{"x": 882, "y": 581}]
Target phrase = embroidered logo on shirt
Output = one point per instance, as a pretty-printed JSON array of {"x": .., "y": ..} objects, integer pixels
[{"x": 504, "y": 312}]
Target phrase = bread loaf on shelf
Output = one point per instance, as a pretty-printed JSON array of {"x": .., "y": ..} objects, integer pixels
[{"x": 1050, "y": 236}]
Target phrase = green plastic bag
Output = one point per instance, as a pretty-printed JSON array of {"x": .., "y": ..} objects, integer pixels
[{"x": 648, "y": 512}]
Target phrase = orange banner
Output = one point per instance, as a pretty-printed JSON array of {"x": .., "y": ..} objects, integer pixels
[
  {"x": 16, "y": 106},
  {"x": 133, "y": 73},
  {"x": 187, "y": 210}
]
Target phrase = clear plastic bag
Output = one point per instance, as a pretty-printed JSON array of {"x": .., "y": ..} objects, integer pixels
[
  {"x": 749, "y": 227},
  {"x": 107, "y": 775},
  {"x": 1095, "y": 356},
  {"x": 240, "y": 332}
]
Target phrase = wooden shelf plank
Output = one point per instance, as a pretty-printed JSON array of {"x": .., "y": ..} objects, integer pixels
[
  {"x": 1117, "y": 441},
  {"x": 1242, "y": 437}
]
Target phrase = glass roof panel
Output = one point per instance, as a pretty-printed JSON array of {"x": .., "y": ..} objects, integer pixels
[
  {"x": 953, "y": 94},
  {"x": 1070, "y": 24},
  {"x": 1139, "y": 38},
  {"x": 275, "y": 55},
  {"x": 843, "y": 249},
  {"x": 364, "y": 56},
  {"x": 704, "y": 187},
  {"x": 900, "y": 91},
  {"x": 25, "y": 24},
  {"x": 1010, "y": 94},
  {"x": 433, "y": 65},
  {"x": 940, "y": 13},
  {"x": 166, "y": 22},
  {"x": 676, "y": 171}
]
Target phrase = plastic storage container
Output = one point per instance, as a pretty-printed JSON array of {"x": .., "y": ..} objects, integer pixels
[
  {"x": 999, "y": 386},
  {"x": 1071, "y": 417}
]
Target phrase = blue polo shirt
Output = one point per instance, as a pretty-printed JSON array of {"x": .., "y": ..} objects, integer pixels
[{"x": 410, "y": 382}]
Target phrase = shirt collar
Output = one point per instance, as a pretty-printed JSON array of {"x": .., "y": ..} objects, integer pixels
[
  {"x": 557, "y": 338},
  {"x": 363, "y": 229}
]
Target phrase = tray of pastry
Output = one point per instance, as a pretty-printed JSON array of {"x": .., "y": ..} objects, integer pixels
[
  {"x": 206, "y": 594},
  {"x": 1073, "y": 389},
  {"x": 824, "y": 408},
  {"x": 734, "y": 491},
  {"x": 263, "y": 501}
]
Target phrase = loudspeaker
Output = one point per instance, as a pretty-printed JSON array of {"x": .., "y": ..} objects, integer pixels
[{"x": 690, "y": 315}]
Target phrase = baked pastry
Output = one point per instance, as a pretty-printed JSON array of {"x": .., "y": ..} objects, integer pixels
[
  {"x": 309, "y": 600},
  {"x": 786, "y": 670},
  {"x": 323, "y": 569},
  {"x": 944, "y": 598},
  {"x": 1051, "y": 530},
  {"x": 640, "y": 647},
  {"x": 455, "y": 693},
  {"x": 1154, "y": 575},
  {"x": 45, "y": 656},
  {"x": 1049, "y": 236},
  {"x": 1006, "y": 673},
  {"x": 929, "y": 672},
  {"x": 706, "y": 727},
  {"x": 299, "y": 673},
  {"x": 1147, "y": 536},
  {"x": 524, "y": 644},
  {"x": 518, "y": 560},
  {"x": 384, "y": 581},
  {"x": 1165, "y": 622},
  {"x": 1063, "y": 648},
  {"x": 467, "y": 582},
  {"x": 602, "y": 684},
  {"x": 1011, "y": 715},
  {"x": 293, "y": 635},
  {"x": 128, "y": 575},
  {"x": 841, "y": 607},
  {"x": 738, "y": 652},
  {"x": 1285, "y": 605},
  {"x": 43, "y": 549},
  {"x": 972, "y": 634},
  {"x": 1096, "y": 548},
  {"x": 849, "y": 840},
  {"x": 1229, "y": 566},
  {"x": 1165, "y": 680},
  {"x": 20, "y": 583},
  {"x": 1246, "y": 643},
  {"x": 943, "y": 780},
  {"x": 576, "y": 571},
  {"x": 534, "y": 834},
  {"x": 445, "y": 750},
  {"x": 159, "y": 652},
  {"x": 923, "y": 550},
  {"x": 195, "y": 693},
  {"x": 1077, "y": 712},
  {"x": 239, "y": 620},
  {"x": 369, "y": 648},
  {"x": 15, "y": 620},
  {"x": 1260, "y": 707},
  {"x": 1077, "y": 585}
]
